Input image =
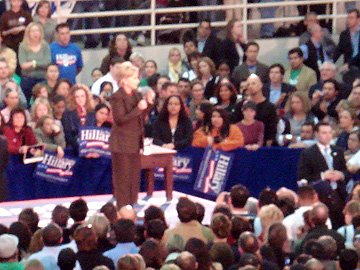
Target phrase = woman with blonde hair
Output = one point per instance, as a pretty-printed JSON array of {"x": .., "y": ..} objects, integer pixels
[
  {"x": 269, "y": 214},
  {"x": 40, "y": 108},
  {"x": 206, "y": 73},
  {"x": 126, "y": 139},
  {"x": 80, "y": 113},
  {"x": 34, "y": 57},
  {"x": 175, "y": 66}
]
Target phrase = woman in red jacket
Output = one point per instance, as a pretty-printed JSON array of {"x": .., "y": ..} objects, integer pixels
[{"x": 18, "y": 134}]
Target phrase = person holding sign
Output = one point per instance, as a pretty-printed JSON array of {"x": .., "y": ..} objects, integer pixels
[
  {"x": 219, "y": 134},
  {"x": 126, "y": 138},
  {"x": 48, "y": 133},
  {"x": 18, "y": 134},
  {"x": 80, "y": 114}
]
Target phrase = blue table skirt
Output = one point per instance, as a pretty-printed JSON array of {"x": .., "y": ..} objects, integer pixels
[{"x": 268, "y": 167}]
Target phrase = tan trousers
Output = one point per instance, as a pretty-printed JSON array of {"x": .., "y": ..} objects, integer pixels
[{"x": 126, "y": 170}]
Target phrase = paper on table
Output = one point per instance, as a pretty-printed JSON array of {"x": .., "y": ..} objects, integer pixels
[{"x": 153, "y": 149}]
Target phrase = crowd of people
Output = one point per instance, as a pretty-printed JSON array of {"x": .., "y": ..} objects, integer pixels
[
  {"x": 279, "y": 230},
  {"x": 220, "y": 96}
]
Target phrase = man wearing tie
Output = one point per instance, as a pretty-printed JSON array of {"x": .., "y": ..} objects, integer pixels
[{"x": 323, "y": 166}]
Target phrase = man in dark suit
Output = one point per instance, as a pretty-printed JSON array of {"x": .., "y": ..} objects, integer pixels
[
  {"x": 207, "y": 42},
  {"x": 276, "y": 91},
  {"x": 250, "y": 66},
  {"x": 346, "y": 46},
  {"x": 349, "y": 41},
  {"x": 323, "y": 165}
]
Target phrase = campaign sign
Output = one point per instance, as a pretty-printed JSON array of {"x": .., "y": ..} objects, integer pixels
[
  {"x": 213, "y": 172},
  {"x": 182, "y": 168},
  {"x": 54, "y": 169},
  {"x": 94, "y": 141}
]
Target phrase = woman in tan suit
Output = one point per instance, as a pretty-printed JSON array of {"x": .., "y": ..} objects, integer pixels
[{"x": 126, "y": 138}]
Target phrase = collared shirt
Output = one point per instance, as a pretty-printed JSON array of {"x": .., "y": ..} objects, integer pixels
[
  {"x": 294, "y": 221},
  {"x": 201, "y": 45},
  {"x": 355, "y": 36},
  {"x": 323, "y": 147},
  {"x": 317, "y": 45},
  {"x": 275, "y": 94},
  {"x": 121, "y": 249},
  {"x": 48, "y": 257}
]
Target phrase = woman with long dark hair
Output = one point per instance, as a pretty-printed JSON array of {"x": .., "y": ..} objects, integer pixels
[
  {"x": 17, "y": 132},
  {"x": 119, "y": 47},
  {"x": 219, "y": 134},
  {"x": 173, "y": 129},
  {"x": 226, "y": 96}
]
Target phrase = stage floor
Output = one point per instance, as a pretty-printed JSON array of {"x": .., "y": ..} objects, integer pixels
[{"x": 9, "y": 211}]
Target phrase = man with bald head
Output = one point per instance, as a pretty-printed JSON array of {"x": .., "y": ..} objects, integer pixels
[
  {"x": 319, "y": 215},
  {"x": 265, "y": 110},
  {"x": 328, "y": 71}
]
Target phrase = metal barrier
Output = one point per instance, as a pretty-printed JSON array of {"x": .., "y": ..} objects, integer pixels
[{"x": 153, "y": 12}]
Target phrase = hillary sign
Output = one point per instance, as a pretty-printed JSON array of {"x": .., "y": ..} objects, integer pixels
[
  {"x": 182, "y": 168},
  {"x": 214, "y": 171},
  {"x": 54, "y": 169},
  {"x": 94, "y": 141}
]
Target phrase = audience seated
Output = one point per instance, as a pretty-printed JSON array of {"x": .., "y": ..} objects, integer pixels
[{"x": 267, "y": 104}]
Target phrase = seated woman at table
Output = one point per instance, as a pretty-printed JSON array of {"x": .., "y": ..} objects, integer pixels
[
  {"x": 80, "y": 113},
  {"x": 49, "y": 134},
  {"x": 220, "y": 134},
  {"x": 253, "y": 130},
  {"x": 226, "y": 96},
  {"x": 173, "y": 129},
  {"x": 18, "y": 134},
  {"x": 41, "y": 107},
  {"x": 11, "y": 101}
]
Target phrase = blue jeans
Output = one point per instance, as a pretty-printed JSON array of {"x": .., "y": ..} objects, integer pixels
[
  {"x": 86, "y": 23},
  {"x": 207, "y": 15},
  {"x": 27, "y": 84},
  {"x": 267, "y": 29}
]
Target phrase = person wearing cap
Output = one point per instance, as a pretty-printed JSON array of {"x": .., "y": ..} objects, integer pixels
[{"x": 9, "y": 253}]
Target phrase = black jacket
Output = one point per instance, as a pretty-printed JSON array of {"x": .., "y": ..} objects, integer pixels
[
  {"x": 312, "y": 163},
  {"x": 321, "y": 230},
  {"x": 182, "y": 137},
  {"x": 211, "y": 49},
  {"x": 230, "y": 54},
  {"x": 90, "y": 259},
  {"x": 285, "y": 89},
  {"x": 71, "y": 124},
  {"x": 345, "y": 47},
  {"x": 241, "y": 73}
]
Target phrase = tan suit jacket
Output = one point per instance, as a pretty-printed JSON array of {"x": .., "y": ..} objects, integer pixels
[{"x": 306, "y": 79}]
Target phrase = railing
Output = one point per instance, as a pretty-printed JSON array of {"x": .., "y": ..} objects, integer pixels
[{"x": 153, "y": 12}]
